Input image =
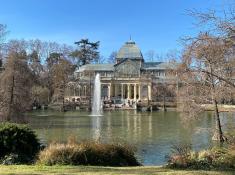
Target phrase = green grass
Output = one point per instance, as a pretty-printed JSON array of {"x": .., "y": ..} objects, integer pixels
[{"x": 94, "y": 170}]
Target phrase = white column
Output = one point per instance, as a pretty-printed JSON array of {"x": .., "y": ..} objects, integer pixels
[
  {"x": 128, "y": 91},
  {"x": 134, "y": 91},
  {"x": 149, "y": 92},
  {"x": 109, "y": 91},
  {"x": 139, "y": 91}
]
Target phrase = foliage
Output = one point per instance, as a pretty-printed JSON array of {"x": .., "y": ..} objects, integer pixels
[
  {"x": 12, "y": 159},
  {"x": 214, "y": 158},
  {"x": 87, "y": 52},
  {"x": 231, "y": 137},
  {"x": 35, "y": 63},
  {"x": 18, "y": 143},
  {"x": 88, "y": 153},
  {"x": 53, "y": 59}
]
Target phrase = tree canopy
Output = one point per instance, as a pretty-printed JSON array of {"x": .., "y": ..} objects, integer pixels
[{"x": 87, "y": 52}]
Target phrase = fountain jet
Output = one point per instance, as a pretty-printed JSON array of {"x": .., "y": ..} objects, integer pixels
[{"x": 97, "y": 104}]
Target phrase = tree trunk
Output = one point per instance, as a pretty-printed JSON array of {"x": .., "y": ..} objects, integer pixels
[
  {"x": 218, "y": 135},
  {"x": 9, "y": 113}
]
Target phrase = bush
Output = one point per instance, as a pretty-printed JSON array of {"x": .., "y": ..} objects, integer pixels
[
  {"x": 181, "y": 156},
  {"x": 215, "y": 158},
  {"x": 88, "y": 153},
  {"x": 18, "y": 143},
  {"x": 223, "y": 158},
  {"x": 11, "y": 159}
]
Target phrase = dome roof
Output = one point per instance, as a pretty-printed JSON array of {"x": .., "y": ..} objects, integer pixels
[{"x": 129, "y": 50}]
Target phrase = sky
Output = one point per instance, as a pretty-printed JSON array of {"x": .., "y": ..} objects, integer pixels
[{"x": 152, "y": 24}]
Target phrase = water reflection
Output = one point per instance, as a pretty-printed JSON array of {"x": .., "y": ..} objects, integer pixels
[
  {"x": 152, "y": 133},
  {"x": 96, "y": 127}
]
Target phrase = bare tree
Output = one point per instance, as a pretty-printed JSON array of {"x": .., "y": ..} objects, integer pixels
[
  {"x": 42, "y": 56},
  {"x": 60, "y": 73},
  {"x": 35, "y": 63},
  {"x": 39, "y": 95},
  {"x": 100, "y": 60},
  {"x": 16, "y": 46},
  {"x": 219, "y": 22},
  {"x": 164, "y": 92},
  {"x": 15, "y": 85},
  {"x": 151, "y": 55},
  {"x": 47, "y": 77},
  {"x": 203, "y": 59},
  {"x": 3, "y": 33},
  {"x": 207, "y": 69},
  {"x": 112, "y": 57}
]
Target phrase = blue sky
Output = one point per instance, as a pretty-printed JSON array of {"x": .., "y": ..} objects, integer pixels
[{"x": 153, "y": 24}]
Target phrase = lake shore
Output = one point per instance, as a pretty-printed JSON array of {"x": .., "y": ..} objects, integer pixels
[
  {"x": 147, "y": 131},
  {"x": 222, "y": 108},
  {"x": 95, "y": 170}
]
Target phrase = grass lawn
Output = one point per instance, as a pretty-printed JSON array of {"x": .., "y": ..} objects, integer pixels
[{"x": 90, "y": 170}]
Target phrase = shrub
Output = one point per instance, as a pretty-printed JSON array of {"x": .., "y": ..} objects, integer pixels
[
  {"x": 11, "y": 159},
  {"x": 17, "y": 143},
  {"x": 223, "y": 158},
  {"x": 215, "y": 158},
  {"x": 88, "y": 153},
  {"x": 180, "y": 156}
]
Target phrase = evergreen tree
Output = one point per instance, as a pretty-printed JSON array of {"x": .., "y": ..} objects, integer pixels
[
  {"x": 35, "y": 63},
  {"x": 87, "y": 52}
]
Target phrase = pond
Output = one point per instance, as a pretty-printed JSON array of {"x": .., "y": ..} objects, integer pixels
[{"x": 153, "y": 134}]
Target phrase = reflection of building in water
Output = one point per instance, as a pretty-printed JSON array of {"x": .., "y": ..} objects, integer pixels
[{"x": 126, "y": 82}]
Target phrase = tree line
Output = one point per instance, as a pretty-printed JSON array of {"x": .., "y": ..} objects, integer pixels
[{"x": 36, "y": 72}]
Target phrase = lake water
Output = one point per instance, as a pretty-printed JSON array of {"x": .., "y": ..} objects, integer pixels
[{"x": 153, "y": 134}]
